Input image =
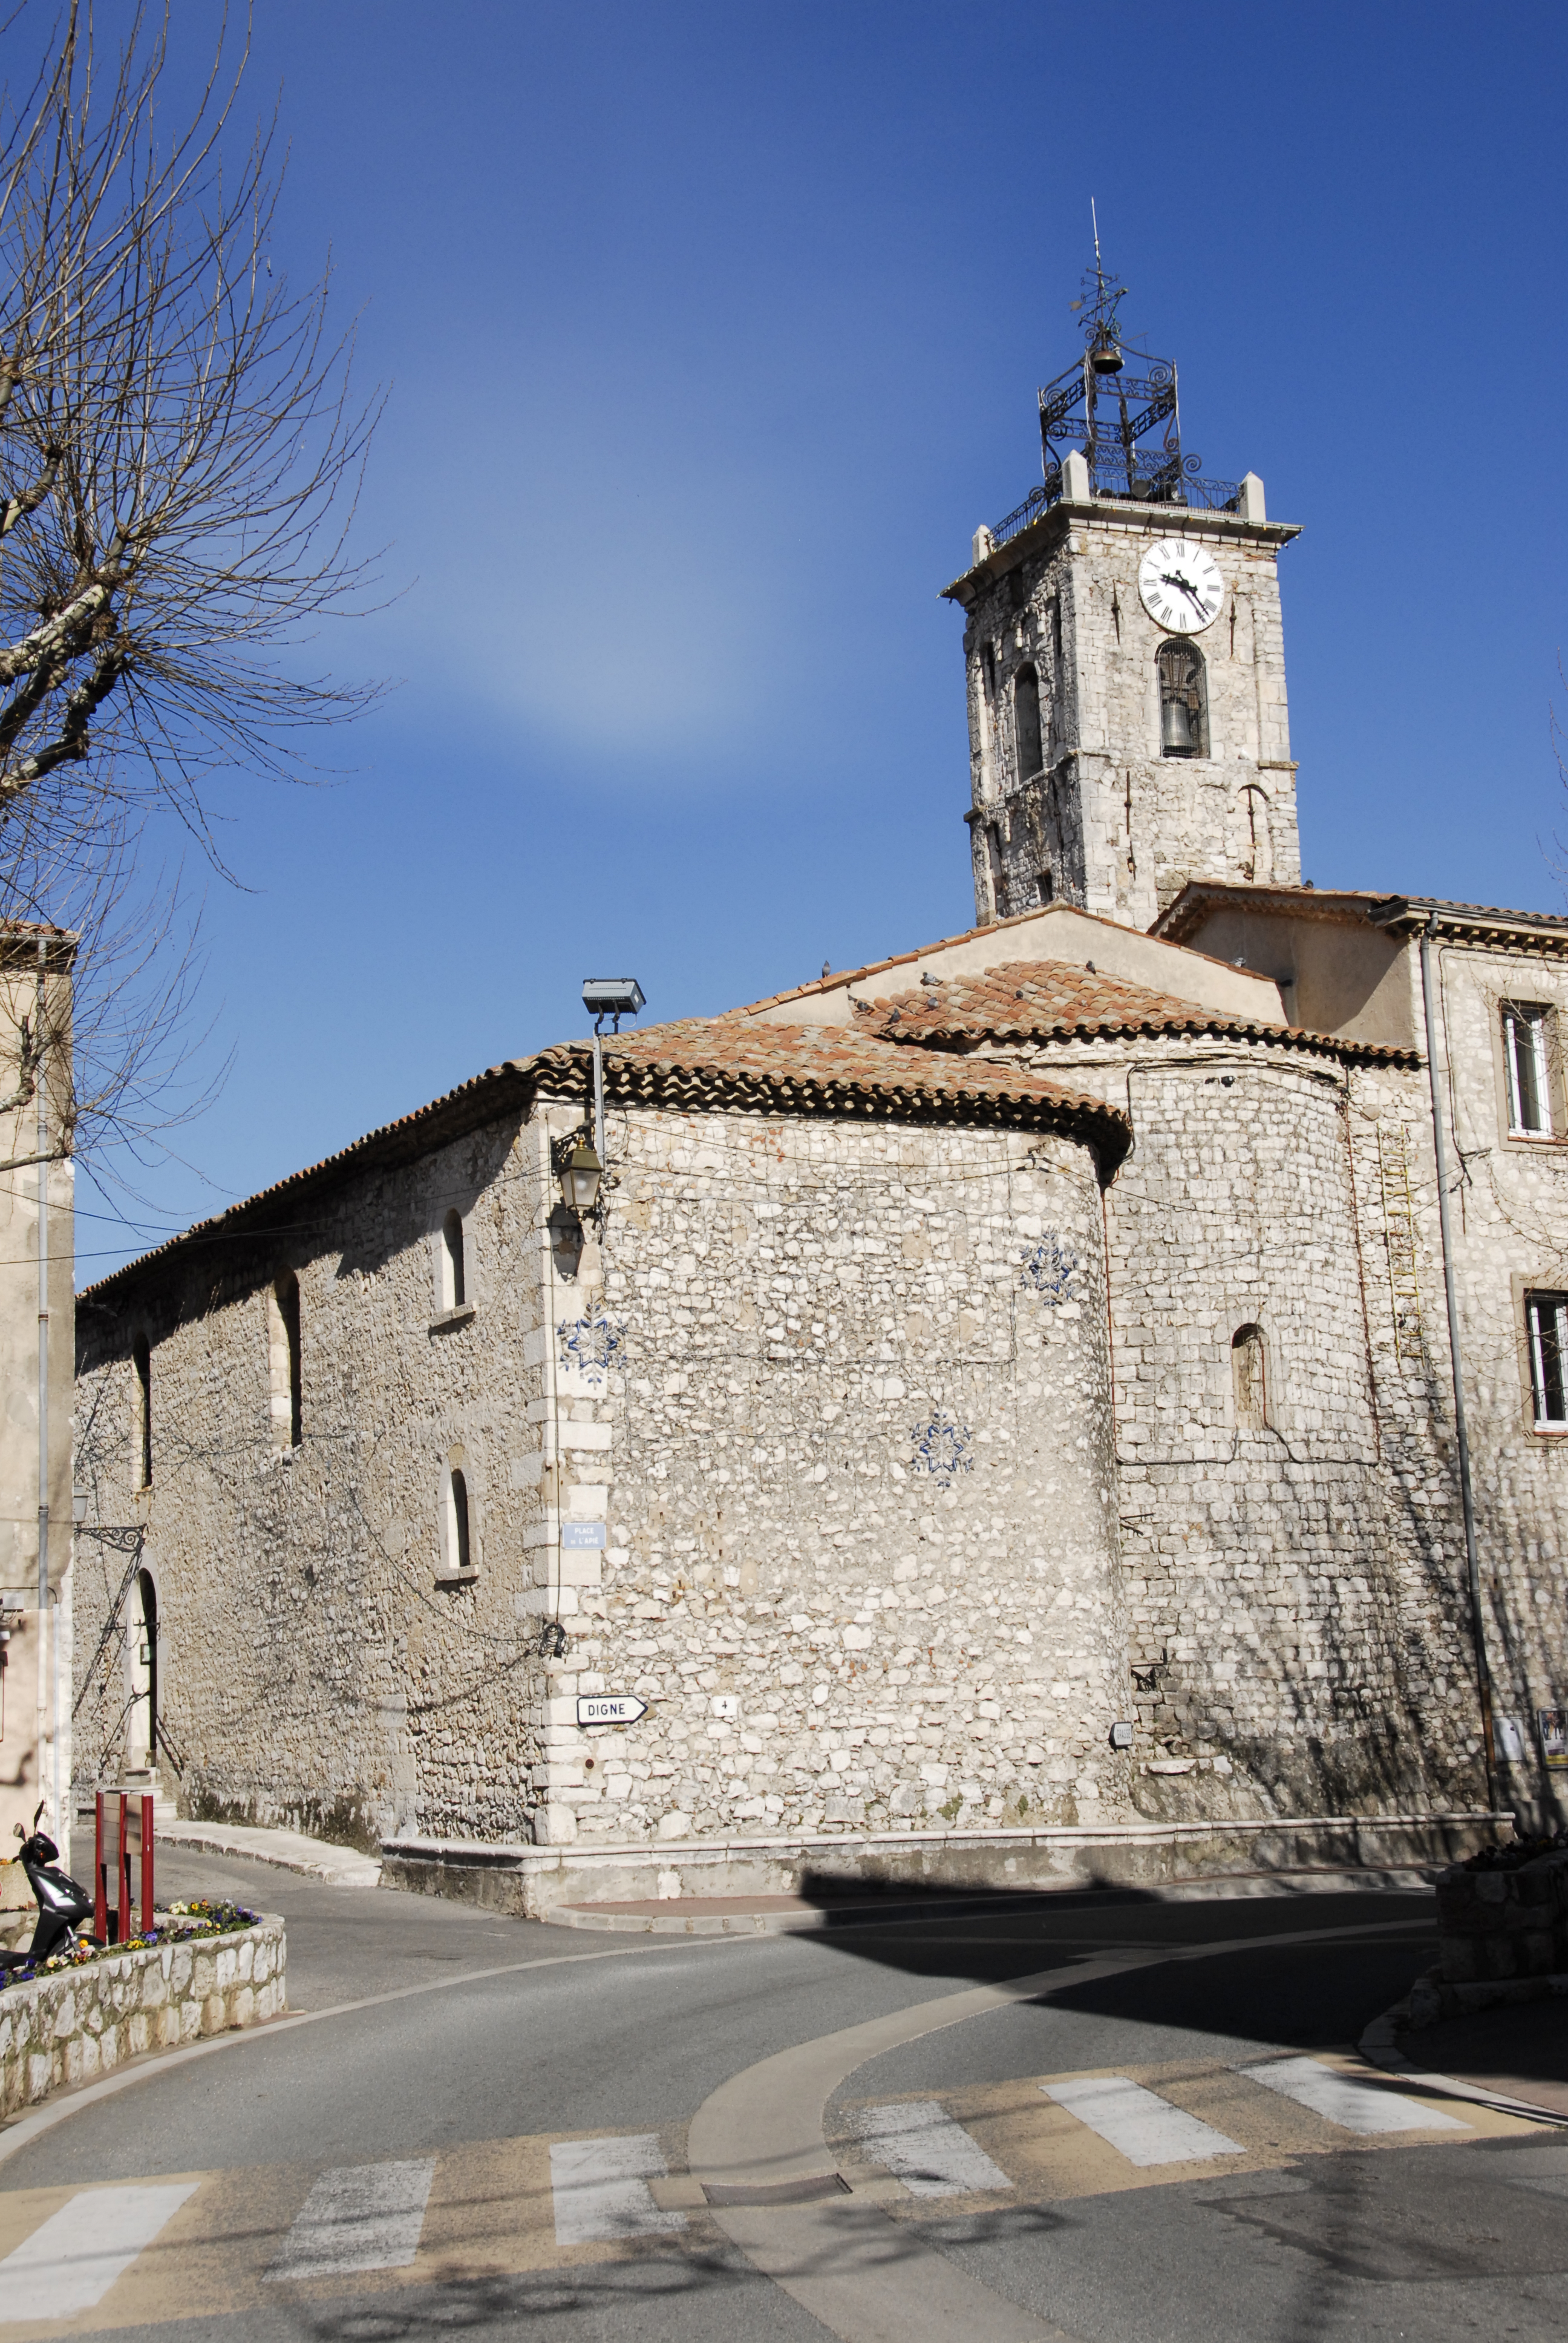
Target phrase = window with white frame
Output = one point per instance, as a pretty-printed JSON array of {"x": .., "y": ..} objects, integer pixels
[
  {"x": 1526, "y": 1037},
  {"x": 1546, "y": 1326}
]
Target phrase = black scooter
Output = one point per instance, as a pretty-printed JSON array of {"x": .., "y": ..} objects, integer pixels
[{"x": 61, "y": 1904}]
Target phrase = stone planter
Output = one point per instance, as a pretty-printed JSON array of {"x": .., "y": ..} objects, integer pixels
[
  {"x": 1499, "y": 1924},
  {"x": 83, "y": 2022}
]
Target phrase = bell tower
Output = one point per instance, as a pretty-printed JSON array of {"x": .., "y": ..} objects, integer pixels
[{"x": 1128, "y": 725}]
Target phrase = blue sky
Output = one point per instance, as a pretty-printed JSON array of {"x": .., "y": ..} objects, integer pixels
[{"x": 712, "y": 331}]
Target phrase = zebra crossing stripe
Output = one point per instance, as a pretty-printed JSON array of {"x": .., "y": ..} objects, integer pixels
[
  {"x": 72, "y": 2260},
  {"x": 931, "y": 2154},
  {"x": 1356, "y": 2106},
  {"x": 361, "y": 2216},
  {"x": 601, "y": 2192},
  {"x": 1140, "y": 2126}
]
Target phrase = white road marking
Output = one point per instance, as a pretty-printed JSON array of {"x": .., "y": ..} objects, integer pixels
[
  {"x": 931, "y": 2153},
  {"x": 1141, "y": 2126},
  {"x": 602, "y": 2191},
  {"x": 1354, "y": 2107},
  {"x": 361, "y": 2216},
  {"x": 72, "y": 2260}
]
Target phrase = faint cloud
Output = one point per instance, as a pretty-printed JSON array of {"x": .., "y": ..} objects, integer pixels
[{"x": 604, "y": 584}]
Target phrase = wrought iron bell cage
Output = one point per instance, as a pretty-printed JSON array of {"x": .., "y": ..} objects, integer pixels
[{"x": 1118, "y": 408}]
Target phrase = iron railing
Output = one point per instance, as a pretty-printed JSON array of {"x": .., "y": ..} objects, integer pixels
[{"x": 1166, "y": 485}]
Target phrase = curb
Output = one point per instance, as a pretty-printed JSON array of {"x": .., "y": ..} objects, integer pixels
[
  {"x": 338, "y": 1866},
  {"x": 1220, "y": 1887},
  {"x": 1379, "y": 2047}
]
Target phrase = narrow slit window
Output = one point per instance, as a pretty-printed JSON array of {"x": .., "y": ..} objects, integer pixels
[
  {"x": 1546, "y": 1323},
  {"x": 1525, "y": 1028},
  {"x": 142, "y": 1357},
  {"x": 997, "y": 869},
  {"x": 457, "y": 1522},
  {"x": 287, "y": 1365},
  {"x": 1250, "y": 1378},
  {"x": 1026, "y": 723},
  {"x": 454, "y": 1280}
]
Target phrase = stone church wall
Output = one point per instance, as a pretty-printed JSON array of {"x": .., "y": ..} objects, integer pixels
[
  {"x": 862, "y": 1557},
  {"x": 1296, "y": 1589},
  {"x": 836, "y": 1393},
  {"x": 315, "y": 1669}
]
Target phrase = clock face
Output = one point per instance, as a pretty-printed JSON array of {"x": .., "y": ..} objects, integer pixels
[{"x": 1180, "y": 585}]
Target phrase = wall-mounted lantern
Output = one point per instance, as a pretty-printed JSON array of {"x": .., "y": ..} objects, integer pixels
[{"x": 581, "y": 1174}]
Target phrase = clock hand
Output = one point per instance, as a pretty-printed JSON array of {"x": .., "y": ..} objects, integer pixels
[{"x": 1190, "y": 591}]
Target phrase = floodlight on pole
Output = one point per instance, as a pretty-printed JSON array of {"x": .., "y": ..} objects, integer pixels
[{"x": 615, "y": 997}]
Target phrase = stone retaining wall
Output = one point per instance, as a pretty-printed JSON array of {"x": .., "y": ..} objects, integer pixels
[
  {"x": 1503, "y": 1924},
  {"x": 79, "y": 2023},
  {"x": 534, "y": 1881}
]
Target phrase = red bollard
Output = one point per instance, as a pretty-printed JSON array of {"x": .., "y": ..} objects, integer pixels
[
  {"x": 106, "y": 1858},
  {"x": 138, "y": 1837},
  {"x": 123, "y": 1847},
  {"x": 147, "y": 1864}
]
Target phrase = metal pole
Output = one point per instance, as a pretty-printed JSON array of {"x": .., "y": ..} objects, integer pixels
[
  {"x": 1478, "y": 1630},
  {"x": 42, "y": 1103},
  {"x": 598, "y": 1096}
]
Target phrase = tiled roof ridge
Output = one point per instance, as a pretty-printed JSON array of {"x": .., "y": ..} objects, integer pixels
[
  {"x": 852, "y": 1061},
  {"x": 690, "y": 1058},
  {"x": 940, "y": 1017}
]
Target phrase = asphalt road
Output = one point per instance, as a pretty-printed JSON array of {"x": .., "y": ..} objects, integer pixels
[{"x": 1111, "y": 2118}]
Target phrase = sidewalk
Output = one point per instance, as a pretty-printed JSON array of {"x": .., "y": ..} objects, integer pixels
[
  {"x": 1518, "y": 2049},
  {"x": 341, "y": 1867}
]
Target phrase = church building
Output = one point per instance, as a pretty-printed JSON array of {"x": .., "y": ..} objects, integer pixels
[{"x": 1085, "y": 1399}]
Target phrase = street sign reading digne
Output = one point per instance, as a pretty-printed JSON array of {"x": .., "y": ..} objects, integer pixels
[{"x": 609, "y": 1708}]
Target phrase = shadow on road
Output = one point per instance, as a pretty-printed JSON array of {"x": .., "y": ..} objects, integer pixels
[{"x": 1320, "y": 1989}]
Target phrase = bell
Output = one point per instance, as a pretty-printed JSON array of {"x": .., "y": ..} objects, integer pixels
[
  {"x": 1105, "y": 357},
  {"x": 1175, "y": 729}
]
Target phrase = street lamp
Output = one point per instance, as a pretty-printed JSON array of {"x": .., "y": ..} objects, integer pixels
[{"x": 580, "y": 1176}]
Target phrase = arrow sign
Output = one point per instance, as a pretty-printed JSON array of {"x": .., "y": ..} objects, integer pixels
[{"x": 609, "y": 1708}]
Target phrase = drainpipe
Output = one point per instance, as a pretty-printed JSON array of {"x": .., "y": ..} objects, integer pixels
[
  {"x": 1467, "y": 1499},
  {"x": 41, "y": 1097}
]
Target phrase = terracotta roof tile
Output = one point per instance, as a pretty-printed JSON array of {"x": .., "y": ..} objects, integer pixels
[
  {"x": 696, "y": 1064},
  {"x": 832, "y": 1066},
  {"x": 1050, "y": 1001}
]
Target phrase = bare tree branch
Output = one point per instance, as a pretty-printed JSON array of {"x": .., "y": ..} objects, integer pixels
[{"x": 180, "y": 458}]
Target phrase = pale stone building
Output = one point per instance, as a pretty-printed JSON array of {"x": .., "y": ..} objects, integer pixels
[
  {"x": 36, "y": 1349},
  {"x": 1000, "y": 1421}
]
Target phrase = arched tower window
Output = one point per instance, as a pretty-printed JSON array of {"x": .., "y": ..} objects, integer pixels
[
  {"x": 1249, "y": 1377},
  {"x": 284, "y": 1364},
  {"x": 1184, "y": 700},
  {"x": 1026, "y": 723},
  {"x": 142, "y": 1358},
  {"x": 454, "y": 1284}
]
